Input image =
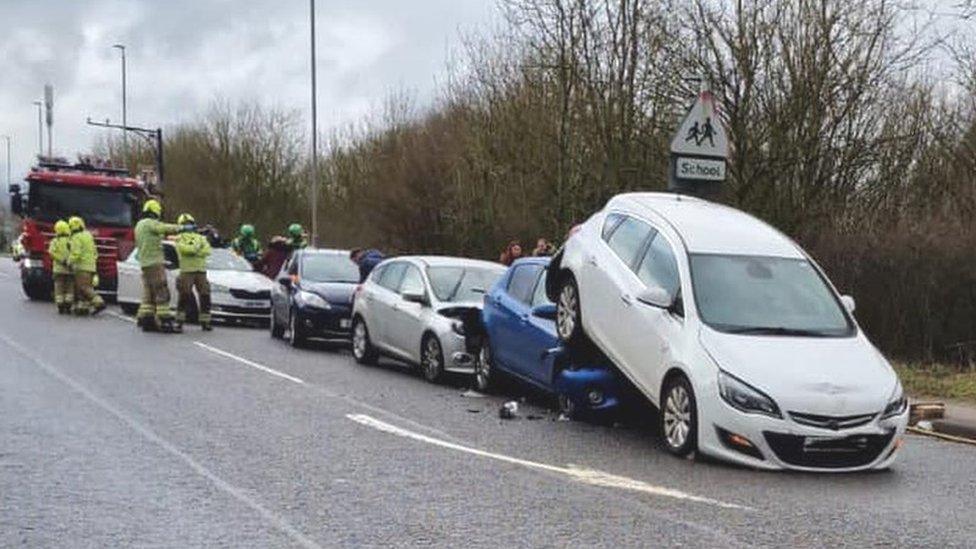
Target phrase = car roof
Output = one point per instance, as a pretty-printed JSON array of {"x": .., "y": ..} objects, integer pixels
[
  {"x": 709, "y": 227},
  {"x": 448, "y": 261},
  {"x": 532, "y": 261},
  {"x": 323, "y": 251}
]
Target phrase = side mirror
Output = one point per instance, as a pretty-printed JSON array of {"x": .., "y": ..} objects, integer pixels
[
  {"x": 547, "y": 311},
  {"x": 656, "y": 296},
  {"x": 415, "y": 297},
  {"x": 848, "y": 303},
  {"x": 285, "y": 281},
  {"x": 16, "y": 201}
]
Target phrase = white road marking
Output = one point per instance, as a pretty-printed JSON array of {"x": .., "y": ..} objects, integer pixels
[
  {"x": 120, "y": 316},
  {"x": 250, "y": 363},
  {"x": 587, "y": 476},
  {"x": 235, "y": 492}
]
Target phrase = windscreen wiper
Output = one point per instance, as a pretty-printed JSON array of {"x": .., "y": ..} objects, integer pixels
[{"x": 775, "y": 330}]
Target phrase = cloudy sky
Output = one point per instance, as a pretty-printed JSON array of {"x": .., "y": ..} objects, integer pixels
[{"x": 184, "y": 54}]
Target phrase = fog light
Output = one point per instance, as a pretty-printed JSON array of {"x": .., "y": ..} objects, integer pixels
[
  {"x": 595, "y": 396},
  {"x": 738, "y": 443}
]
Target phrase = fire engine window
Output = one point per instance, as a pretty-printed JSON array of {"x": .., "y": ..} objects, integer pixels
[{"x": 98, "y": 207}]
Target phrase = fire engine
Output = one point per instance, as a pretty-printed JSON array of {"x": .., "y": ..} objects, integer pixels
[{"x": 107, "y": 198}]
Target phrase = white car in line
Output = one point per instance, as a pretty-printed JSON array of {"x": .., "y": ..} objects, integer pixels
[
  {"x": 423, "y": 310},
  {"x": 732, "y": 331},
  {"x": 237, "y": 293}
]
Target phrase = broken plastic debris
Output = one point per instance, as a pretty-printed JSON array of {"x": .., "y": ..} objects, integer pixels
[
  {"x": 924, "y": 424},
  {"x": 563, "y": 417},
  {"x": 471, "y": 393},
  {"x": 508, "y": 410},
  {"x": 473, "y": 411}
]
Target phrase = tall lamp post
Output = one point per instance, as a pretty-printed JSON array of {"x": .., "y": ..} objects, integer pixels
[
  {"x": 315, "y": 137},
  {"x": 125, "y": 122},
  {"x": 40, "y": 128}
]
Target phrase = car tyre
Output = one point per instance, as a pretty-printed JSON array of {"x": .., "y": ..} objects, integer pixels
[
  {"x": 567, "y": 407},
  {"x": 362, "y": 348},
  {"x": 679, "y": 416},
  {"x": 277, "y": 330},
  {"x": 569, "y": 317},
  {"x": 485, "y": 375},
  {"x": 295, "y": 335},
  {"x": 431, "y": 358}
]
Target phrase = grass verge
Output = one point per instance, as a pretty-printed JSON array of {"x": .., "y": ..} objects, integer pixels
[{"x": 938, "y": 381}]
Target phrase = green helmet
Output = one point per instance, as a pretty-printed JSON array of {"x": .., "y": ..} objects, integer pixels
[
  {"x": 185, "y": 219},
  {"x": 153, "y": 206},
  {"x": 76, "y": 224},
  {"x": 247, "y": 230},
  {"x": 295, "y": 230},
  {"x": 61, "y": 228}
]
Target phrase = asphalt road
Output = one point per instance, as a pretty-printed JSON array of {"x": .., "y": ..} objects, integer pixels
[{"x": 111, "y": 437}]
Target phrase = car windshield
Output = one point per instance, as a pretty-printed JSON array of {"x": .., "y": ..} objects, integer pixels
[
  {"x": 98, "y": 207},
  {"x": 319, "y": 267},
  {"x": 459, "y": 284},
  {"x": 225, "y": 260},
  {"x": 766, "y": 296}
]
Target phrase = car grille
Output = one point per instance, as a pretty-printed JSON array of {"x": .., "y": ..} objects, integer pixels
[
  {"x": 234, "y": 309},
  {"x": 827, "y": 452},
  {"x": 834, "y": 423},
  {"x": 244, "y": 294}
]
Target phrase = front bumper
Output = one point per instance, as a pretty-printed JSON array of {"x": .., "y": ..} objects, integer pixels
[
  {"x": 457, "y": 357},
  {"x": 332, "y": 323},
  {"x": 770, "y": 443},
  {"x": 590, "y": 388},
  {"x": 226, "y": 307}
]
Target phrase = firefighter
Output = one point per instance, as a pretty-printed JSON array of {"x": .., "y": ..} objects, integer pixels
[
  {"x": 297, "y": 239},
  {"x": 64, "y": 279},
  {"x": 246, "y": 244},
  {"x": 193, "y": 250},
  {"x": 83, "y": 257},
  {"x": 154, "y": 311}
]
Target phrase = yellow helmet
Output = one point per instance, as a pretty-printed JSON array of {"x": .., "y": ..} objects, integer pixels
[
  {"x": 61, "y": 228},
  {"x": 185, "y": 219},
  {"x": 153, "y": 206},
  {"x": 76, "y": 224}
]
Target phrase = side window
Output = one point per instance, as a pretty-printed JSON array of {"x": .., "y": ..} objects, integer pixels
[
  {"x": 658, "y": 267},
  {"x": 392, "y": 276},
  {"x": 413, "y": 281},
  {"x": 522, "y": 282},
  {"x": 377, "y": 273},
  {"x": 539, "y": 296},
  {"x": 626, "y": 241},
  {"x": 293, "y": 265},
  {"x": 610, "y": 224}
]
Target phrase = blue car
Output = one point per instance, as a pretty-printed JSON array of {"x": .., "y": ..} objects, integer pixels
[
  {"x": 522, "y": 344},
  {"x": 312, "y": 296}
]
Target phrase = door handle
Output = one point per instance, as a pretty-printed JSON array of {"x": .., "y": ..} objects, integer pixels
[
  {"x": 628, "y": 301},
  {"x": 524, "y": 319},
  {"x": 592, "y": 260}
]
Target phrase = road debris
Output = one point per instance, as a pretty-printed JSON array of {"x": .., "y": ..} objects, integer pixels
[
  {"x": 509, "y": 410},
  {"x": 471, "y": 393}
]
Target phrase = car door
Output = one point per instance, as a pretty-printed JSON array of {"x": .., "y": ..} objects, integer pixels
[
  {"x": 610, "y": 283},
  {"x": 382, "y": 298},
  {"x": 647, "y": 332},
  {"x": 513, "y": 306},
  {"x": 172, "y": 263},
  {"x": 130, "y": 279},
  {"x": 406, "y": 321},
  {"x": 281, "y": 294},
  {"x": 540, "y": 335}
]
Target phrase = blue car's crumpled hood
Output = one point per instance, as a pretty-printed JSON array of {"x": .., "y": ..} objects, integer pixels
[{"x": 339, "y": 293}]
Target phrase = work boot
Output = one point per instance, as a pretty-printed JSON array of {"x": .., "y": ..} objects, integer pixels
[
  {"x": 99, "y": 308},
  {"x": 147, "y": 323},
  {"x": 169, "y": 326},
  {"x": 206, "y": 326}
]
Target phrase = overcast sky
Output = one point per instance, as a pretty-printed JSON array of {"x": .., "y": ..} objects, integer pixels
[{"x": 183, "y": 54}]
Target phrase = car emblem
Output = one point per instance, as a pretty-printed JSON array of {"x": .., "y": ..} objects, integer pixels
[{"x": 833, "y": 424}]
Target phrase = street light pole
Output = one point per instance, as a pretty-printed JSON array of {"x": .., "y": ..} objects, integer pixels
[
  {"x": 40, "y": 128},
  {"x": 125, "y": 138},
  {"x": 315, "y": 137}
]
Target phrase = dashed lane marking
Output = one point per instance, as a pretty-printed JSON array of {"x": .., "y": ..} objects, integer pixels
[
  {"x": 250, "y": 363},
  {"x": 237, "y": 493},
  {"x": 586, "y": 476}
]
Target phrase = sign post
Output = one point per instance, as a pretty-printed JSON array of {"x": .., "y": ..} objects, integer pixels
[
  {"x": 49, "y": 118},
  {"x": 699, "y": 150}
]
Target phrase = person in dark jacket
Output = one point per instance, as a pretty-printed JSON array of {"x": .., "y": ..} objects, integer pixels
[{"x": 367, "y": 260}]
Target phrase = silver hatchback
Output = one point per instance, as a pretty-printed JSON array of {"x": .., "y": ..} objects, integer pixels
[{"x": 423, "y": 310}]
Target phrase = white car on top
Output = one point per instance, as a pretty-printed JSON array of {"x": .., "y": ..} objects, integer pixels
[
  {"x": 237, "y": 293},
  {"x": 732, "y": 331}
]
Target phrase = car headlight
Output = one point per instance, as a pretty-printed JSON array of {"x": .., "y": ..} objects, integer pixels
[
  {"x": 458, "y": 327},
  {"x": 896, "y": 404},
  {"x": 743, "y": 397},
  {"x": 312, "y": 300}
]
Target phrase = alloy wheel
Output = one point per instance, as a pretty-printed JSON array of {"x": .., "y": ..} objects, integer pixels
[
  {"x": 567, "y": 311},
  {"x": 431, "y": 360},
  {"x": 482, "y": 369},
  {"x": 359, "y": 340},
  {"x": 677, "y": 416}
]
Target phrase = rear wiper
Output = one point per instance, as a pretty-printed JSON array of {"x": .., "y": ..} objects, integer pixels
[{"x": 775, "y": 330}]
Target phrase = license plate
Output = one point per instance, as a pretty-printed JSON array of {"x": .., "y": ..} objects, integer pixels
[
  {"x": 345, "y": 323},
  {"x": 255, "y": 304}
]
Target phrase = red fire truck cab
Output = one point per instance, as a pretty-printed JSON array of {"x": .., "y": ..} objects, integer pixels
[{"x": 106, "y": 198}]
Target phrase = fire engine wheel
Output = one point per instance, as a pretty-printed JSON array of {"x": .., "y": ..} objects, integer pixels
[{"x": 36, "y": 292}]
